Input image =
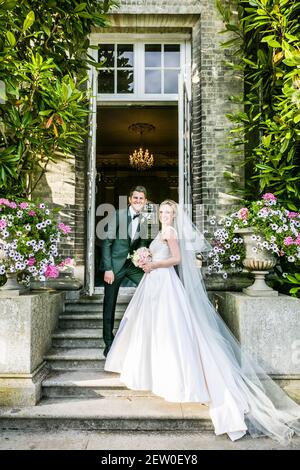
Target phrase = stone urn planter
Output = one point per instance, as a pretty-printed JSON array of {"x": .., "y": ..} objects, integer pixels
[
  {"x": 259, "y": 263},
  {"x": 12, "y": 287}
]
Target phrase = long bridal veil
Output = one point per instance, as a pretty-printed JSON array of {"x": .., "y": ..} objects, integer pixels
[{"x": 266, "y": 409}]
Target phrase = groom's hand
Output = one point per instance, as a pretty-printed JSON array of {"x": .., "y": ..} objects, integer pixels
[{"x": 109, "y": 277}]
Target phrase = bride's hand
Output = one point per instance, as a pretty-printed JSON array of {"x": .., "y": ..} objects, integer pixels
[{"x": 147, "y": 268}]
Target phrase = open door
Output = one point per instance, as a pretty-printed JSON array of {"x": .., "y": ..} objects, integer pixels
[
  {"x": 185, "y": 141},
  {"x": 91, "y": 182}
]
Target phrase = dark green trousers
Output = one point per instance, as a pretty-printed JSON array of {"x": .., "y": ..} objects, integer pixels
[{"x": 110, "y": 297}]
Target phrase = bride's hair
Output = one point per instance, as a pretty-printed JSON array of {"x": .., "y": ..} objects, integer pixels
[{"x": 171, "y": 203}]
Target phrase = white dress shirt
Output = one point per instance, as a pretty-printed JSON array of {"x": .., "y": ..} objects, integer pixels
[{"x": 134, "y": 222}]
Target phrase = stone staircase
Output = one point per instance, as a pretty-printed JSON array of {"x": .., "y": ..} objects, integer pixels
[{"x": 78, "y": 394}]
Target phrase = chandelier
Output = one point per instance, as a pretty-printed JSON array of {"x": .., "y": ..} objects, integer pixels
[{"x": 141, "y": 159}]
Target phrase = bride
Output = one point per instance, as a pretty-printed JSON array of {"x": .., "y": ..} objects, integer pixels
[{"x": 171, "y": 341}]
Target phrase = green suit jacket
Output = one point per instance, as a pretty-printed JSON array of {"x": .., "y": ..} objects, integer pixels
[{"x": 118, "y": 244}]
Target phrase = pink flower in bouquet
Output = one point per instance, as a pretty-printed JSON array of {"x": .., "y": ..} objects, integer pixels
[
  {"x": 288, "y": 241},
  {"x": 32, "y": 213},
  {"x": 13, "y": 205},
  {"x": 64, "y": 228},
  {"x": 297, "y": 241},
  {"x": 292, "y": 215},
  {"x": 243, "y": 213},
  {"x": 141, "y": 257},
  {"x": 23, "y": 205},
  {"x": 51, "y": 271}
]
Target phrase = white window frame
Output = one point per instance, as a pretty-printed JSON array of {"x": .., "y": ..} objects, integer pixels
[{"x": 138, "y": 42}]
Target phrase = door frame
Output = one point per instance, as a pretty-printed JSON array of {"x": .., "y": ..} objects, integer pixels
[{"x": 184, "y": 90}]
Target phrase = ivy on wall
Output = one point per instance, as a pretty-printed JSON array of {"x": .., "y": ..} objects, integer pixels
[
  {"x": 43, "y": 67},
  {"x": 265, "y": 39}
]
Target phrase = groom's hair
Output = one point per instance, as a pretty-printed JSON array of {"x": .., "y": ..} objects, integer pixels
[{"x": 139, "y": 189}]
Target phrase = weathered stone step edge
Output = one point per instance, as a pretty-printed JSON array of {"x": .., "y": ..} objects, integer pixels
[
  {"x": 60, "y": 354},
  {"x": 74, "y": 365},
  {"x": 78, "y": 333},
  {"x": 75, "y": 343},
  {"x": 75, "y": 324},
  {"x": 122, "y": 297},
  {"x": 87, "y": 316},
  {"x": 91, "y": 392},
  {"x": 88, "y": 384},
  {"x": 106, "y": 424},
  {"x": 93, "y": 307},
  {"x": 87, "y": 378}
]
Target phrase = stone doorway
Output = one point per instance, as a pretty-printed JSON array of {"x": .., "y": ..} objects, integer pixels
[{"x": 115, "y": 142}]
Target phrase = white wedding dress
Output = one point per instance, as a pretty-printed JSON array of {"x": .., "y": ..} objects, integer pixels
[{"x": 158, "y": 347}]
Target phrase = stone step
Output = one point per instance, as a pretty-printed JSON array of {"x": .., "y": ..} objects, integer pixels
[
  {"x": 89, "y": 308},
  {"x": 84, "y": 321},
  {"x": 119, "y": 312},
  {"x": 125, "y": 295},
  {"x": 107, "y": 413},
  {"x": 80, "y": 323},
  {"x": 75, "y": 358},
  {"x": 87, "y": 383},
  {"x": 78, "y": 338}
]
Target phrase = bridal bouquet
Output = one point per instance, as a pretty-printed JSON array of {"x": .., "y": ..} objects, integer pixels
[{"x": 141, "y": 256}]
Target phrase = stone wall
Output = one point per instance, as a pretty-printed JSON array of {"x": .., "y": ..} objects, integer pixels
[
  {"x": 212, "y": 83},
  {"x": 26, "y": 326},
  {"x": 64, "y": 186},
  {"x": 267, "y": 329}
]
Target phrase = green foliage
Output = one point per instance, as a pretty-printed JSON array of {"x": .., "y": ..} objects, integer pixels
[
  {"x": 295, "y": 280},
  {"x": 43, "y": 64},
  {"x": 266, "y": 43}
]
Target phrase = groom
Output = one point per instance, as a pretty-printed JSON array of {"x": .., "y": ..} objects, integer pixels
[{"x": 116, "y": 250}]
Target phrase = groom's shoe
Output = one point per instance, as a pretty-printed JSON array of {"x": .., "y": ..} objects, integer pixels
[{"x": 106, "y": 350}]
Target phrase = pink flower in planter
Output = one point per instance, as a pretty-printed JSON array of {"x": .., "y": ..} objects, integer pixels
[
  {"x": 32, "y": 213},
  {"x": 31, "y": 261},
  {"x": 13, "y": 205},
  {"x": 4, "y": 202},
  {"x": 292, "y": 215},
  {"x": 269, "y": 197},
  {"x": 68, "y": 260},
  {"x": 297, "y": 241},
  {"x": 288, "y": 241},
  {"x": 23, "y": 205},
  {"x": 243, "y": 213},
  {"x": 3, "y": 224},
  {"x": 64, "y": 228},
  {"x": 51, "y": 271}
]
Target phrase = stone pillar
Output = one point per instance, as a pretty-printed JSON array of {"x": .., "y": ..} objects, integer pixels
[
  {"x": 268, "y": 329},
  {"x": 26, "y": 326}
]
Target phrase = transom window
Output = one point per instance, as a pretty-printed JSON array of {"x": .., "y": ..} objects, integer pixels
[
  {"x": 144, "y": 70},
  {"x": 118, "y": 65},
  {"x": 162, "y": 65}
]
